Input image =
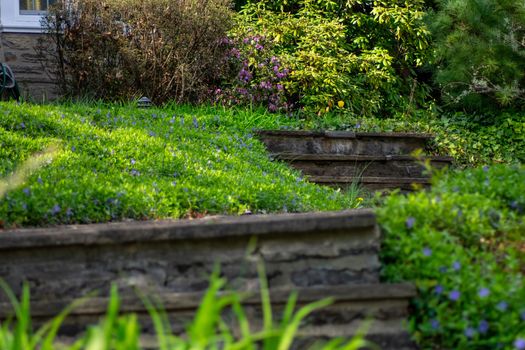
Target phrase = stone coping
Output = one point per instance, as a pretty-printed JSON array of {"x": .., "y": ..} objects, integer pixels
[
  {"x": 343, "y": 134},
  {"x": 173, "y": 230},
  {"x": 191, "y": 301},
  {"x": 357, "y": 158},
  {"x": 368, "y": 179}
]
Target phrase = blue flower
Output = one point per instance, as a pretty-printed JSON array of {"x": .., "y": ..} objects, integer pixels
[
  {"x": 486, "y": 168},
  {"x": 519, "y": 344},
  {"x": 73, "y": 148},
  {"x": 427, "y": 251},
  {"x": 454, "y": 295},
  {"x": 456, "y": 265},
  {"x": 195, "y": 122},
  {"x": 409, "y": 223},
  {"x": 443, "y": 269},
  {"x": 434, "y": 324},
  {"x": 484, "y": 292},
  {"x": 22, "y": 125},
  {"x": 39, "y": 180},
  {"x": 522, "y": 315},
  {"x": 502, "y": 306},
  {"x": 469, "y": 332},
  {"x": 56, "y": 209},
  {"x": 132, "y": 161},
  {"x": 26, "y": 191},
  {"x": 483, "y": 327},
  {"x": 439, "y": 289}
]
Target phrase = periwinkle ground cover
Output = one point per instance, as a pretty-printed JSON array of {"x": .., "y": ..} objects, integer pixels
[
  {"x": 118, "y": 162},
  {"x": 462, "y": 243}
]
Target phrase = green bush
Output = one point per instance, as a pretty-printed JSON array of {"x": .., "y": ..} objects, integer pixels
[
  {"x": 462, "y": 244},
  {"x": 361, "y": 54},
  {"x": 122, "y": 49},
  {"x": 480, "y": 53},
  {"x": 117, "y": 162}
]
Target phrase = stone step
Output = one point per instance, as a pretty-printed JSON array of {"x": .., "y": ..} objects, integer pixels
[
  {"x": 384, "y": 305},
  {"x": 342, "y": 142},
  {"x": 365, "y": 166},
  {"x": 372, "y": 183},
  {"x": 299, "y": 250}
]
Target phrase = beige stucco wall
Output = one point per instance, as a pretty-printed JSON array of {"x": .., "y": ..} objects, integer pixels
[{"x": 19, "y": 52}]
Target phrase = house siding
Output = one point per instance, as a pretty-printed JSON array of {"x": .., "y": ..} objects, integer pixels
[{"x": 19, "y": 51}]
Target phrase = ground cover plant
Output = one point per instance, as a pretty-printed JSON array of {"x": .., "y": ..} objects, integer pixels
[
  {"x": 462, "y": 243},
  {"x": 472, "y": 139},
  {"x": 115, "y": 163}
]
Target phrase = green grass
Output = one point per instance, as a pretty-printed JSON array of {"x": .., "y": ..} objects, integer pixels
[{"x": 116, "y": 162}]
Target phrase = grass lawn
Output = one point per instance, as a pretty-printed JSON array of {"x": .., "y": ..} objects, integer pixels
[{"x": 119, "y": 162}]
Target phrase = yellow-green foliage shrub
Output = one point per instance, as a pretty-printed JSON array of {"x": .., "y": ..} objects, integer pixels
[{"x": 362, "y": 54}]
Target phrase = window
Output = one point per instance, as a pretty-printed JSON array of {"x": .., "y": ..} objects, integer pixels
[
  {"x": 34, "y": 7},
  {"x": 22, "y": 16}
]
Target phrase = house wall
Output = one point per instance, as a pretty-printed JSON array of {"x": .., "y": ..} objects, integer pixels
[{"x": 19, "y": 51}]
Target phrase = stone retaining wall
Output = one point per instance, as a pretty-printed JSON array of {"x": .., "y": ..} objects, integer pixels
[
  {"x": 19, "y": 51},
  {"x": 376, "y": 161},
  {"x": 318, "y": 254},
  {"x": 299, "y": 251}
]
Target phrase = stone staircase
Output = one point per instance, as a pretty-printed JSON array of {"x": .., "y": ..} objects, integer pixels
[
  {"x": 317, "y": 254},
  {"x": 378, "y": 161}
]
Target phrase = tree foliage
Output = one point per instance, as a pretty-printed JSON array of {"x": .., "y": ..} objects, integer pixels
[{"x": 480, "y": 46}]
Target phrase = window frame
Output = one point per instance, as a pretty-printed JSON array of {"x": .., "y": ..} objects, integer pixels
[{"x": 11, "y": 21}]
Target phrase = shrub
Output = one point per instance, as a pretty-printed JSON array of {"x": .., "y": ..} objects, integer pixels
[
  {"x": 480, "y": 53},
  {"x": 260, "y": 76},
  {"x": 462, "y": 244},
  {"x": 121, "y": 49},
  {"x": 361, "y": 54}
]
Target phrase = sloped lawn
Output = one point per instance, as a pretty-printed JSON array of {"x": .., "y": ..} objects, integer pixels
[{"x": 115, "y": 163}]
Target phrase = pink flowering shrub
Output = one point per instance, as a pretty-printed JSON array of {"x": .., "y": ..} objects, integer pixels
[{"x": 260, "y": 76}]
